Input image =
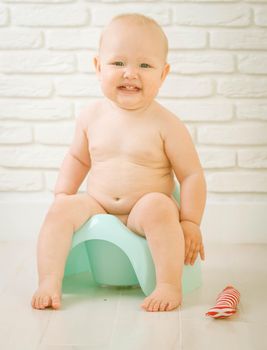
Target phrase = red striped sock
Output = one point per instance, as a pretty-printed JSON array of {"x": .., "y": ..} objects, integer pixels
[{"x": 226, "y": 303}]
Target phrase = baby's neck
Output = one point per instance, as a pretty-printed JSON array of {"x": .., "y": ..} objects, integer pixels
[{"x": 138, "y": 112}]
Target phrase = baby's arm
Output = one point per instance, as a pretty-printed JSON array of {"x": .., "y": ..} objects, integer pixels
[
  {"x": 187, "y": 168},
  {"x": 76, "y": 163}
]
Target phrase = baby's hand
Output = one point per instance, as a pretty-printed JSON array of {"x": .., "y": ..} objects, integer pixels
[{"x": 193, "y": 242}]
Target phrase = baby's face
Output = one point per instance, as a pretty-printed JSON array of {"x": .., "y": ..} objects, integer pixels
[{"x": 132, "y": 64}]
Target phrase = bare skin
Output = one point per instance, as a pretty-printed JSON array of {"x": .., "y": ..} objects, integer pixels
[
  {"x": 138, "y": 191},
  {"x": 131, "y": 147}
]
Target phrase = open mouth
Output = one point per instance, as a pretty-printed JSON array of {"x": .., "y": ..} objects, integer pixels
[{"x": 129, "y": 88}]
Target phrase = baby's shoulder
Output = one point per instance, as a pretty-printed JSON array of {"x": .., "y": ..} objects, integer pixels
[
  {"x": 170, "y": 124},
  {"x": 89, "y": 113},
  {"x": 166, "y": 117}
]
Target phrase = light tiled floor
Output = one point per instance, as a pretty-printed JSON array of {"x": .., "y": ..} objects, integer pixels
[{"x": 110, "y": 318}]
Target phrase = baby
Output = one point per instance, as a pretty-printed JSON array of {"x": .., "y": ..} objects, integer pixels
[{"x": 131, "y": 147}]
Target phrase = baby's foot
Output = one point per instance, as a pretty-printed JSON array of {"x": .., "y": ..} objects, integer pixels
[
  {"x": 165, "y": 297},
  {"x": 48, "y": 294}
]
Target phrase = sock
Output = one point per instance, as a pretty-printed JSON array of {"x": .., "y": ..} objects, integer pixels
[{"x": 226, "y": 303}]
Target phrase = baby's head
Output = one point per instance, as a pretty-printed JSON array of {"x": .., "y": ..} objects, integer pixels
[
  {"x": 131, "y": 63},
  {"x": 139, "y": 28}
]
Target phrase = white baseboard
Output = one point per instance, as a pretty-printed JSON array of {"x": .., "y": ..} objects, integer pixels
[{"x": 225, "y": 222}]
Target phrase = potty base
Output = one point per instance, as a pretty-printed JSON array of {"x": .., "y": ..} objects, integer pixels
[{"x": 115, "y": 256}]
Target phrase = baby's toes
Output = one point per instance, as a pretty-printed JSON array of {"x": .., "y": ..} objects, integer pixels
[
  {"x": 163, "y": 306},
  {"x": 150, "y": 306},
  {"x": 41, "y": 305},
  {"x": 155, "y": 306},
  {"x": 171, "y": 306},
  {"x": 146, "y": 303},
  {"x": 46, "y": 301},
  {"x": 37, "y": 302},
  {"x": 56, "y": 301}
]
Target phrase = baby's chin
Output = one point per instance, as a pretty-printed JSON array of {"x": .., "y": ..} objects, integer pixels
[{"x": 131, "y": 107}]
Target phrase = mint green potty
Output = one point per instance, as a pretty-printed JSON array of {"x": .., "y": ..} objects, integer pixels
[{"x": 116, "y": 256}]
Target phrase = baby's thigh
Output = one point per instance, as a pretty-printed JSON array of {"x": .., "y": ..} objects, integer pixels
[
  {"x": 152, "y": 209},
  {"x": 76, "y": 208}
]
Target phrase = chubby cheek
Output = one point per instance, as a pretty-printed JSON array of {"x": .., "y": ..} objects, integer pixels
[
  {"x": 109, "y": 78},
  {"x": 152, "y": 88},
  {"x": 108, "y": 86}
]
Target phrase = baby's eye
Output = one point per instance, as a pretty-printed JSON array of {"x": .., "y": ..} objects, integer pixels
[
  {"x": 145, "y": 65},
  {"x": 118, "y": 63}
]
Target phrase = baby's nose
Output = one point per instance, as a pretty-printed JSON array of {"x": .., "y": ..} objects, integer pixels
[{"x": 130, "y": 72}]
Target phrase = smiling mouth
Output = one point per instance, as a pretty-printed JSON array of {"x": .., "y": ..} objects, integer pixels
[{"x": 129, "y": 88}]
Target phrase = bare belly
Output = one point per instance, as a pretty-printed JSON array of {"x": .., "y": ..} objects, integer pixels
[{"x": 118, "y": 191}]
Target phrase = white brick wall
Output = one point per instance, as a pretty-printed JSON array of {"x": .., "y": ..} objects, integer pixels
[{"x": 217, "y": 86}]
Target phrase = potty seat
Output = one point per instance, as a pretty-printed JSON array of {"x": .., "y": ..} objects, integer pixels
[{"x": 115, "y": 256}]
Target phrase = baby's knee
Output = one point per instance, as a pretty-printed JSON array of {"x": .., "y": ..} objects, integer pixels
[
  {"x": 158, "y": 206},
  {"x": 61, "y": 206}
]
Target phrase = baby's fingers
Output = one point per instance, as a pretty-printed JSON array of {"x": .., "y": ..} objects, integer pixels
[
  {"x": 194, "y": 256},
  {"x": 190, "y": 254},
  {"x": 193, "y": 253},
  {"x": 198, "y": 250},
  {"x": 188, "y": 250},
  {"x": 202, "y": 252}
]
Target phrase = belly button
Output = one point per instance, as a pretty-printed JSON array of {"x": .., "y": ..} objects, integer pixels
[{"x": 117, "y": 199}]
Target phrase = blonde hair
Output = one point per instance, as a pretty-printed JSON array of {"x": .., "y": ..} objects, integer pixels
[{"x": 139, "y": 19}]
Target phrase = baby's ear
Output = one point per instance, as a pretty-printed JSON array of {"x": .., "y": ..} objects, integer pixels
[
  {"x": 165, "y": 72},
  {"x": 97, "y": 65}
]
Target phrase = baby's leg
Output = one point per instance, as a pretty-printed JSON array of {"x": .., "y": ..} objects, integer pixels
[
  {"x": 156, "y": 217},
  {"x": 66, "y": 215}
]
